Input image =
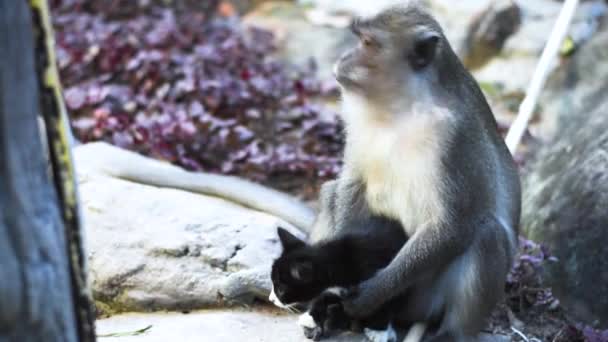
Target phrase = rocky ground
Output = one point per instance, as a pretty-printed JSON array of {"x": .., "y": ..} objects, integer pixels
[{"x": 261, "y": 324}]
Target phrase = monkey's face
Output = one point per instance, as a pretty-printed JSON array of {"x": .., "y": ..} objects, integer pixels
[{"x": 395, "y": 48}]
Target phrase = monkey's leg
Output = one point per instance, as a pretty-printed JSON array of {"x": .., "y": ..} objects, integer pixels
[
  {"x": 466, "y": 292},
  {"x": 379, "y": 327},
  {"x": 475, "y": 282},
  {"x": 428, "y": 302}
]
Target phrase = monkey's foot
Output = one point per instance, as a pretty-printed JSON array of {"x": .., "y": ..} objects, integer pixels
[{"x": 388, "y": 335}]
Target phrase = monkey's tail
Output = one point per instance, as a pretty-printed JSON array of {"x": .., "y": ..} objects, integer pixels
[
  {"x": 416, "y": 332},
  {"x": 119, "y": 163}
]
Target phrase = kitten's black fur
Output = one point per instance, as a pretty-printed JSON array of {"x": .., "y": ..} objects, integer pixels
[{"x": 304, "y": 271}]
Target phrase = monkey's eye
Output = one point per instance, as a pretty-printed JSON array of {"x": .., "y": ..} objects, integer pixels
[
  {"x": 366, "y": 41},
  {"x": 423, "y": 51}
]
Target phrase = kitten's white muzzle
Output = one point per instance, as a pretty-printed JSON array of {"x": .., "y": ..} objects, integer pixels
[{"x": 275, "y": 300}]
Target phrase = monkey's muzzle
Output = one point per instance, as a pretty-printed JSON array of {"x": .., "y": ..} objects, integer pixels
[{"x": 344, "y": 69}]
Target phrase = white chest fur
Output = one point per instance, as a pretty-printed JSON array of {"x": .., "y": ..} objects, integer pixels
[{"x": 398, "y": 157}]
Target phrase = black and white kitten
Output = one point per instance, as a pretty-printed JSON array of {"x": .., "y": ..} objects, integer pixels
[{"x": 323, "y": 272}]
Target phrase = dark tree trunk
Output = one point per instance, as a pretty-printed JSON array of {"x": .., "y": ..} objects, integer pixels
[{"x": 42, "y": 298}]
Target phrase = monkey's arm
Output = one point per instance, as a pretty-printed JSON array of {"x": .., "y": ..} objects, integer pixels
[
  {"x": 324, "y": 224},
  {"x": 430, "y": 248}
]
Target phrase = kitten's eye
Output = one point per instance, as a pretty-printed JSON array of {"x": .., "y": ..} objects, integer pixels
[{"x": 302, "y": 271}]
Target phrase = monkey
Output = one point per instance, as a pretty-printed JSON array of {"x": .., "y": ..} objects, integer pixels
[{"x": 422, "y": 148}]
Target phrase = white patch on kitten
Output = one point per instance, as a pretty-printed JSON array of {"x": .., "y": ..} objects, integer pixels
[
  {"x": 275, "y": 300},
  {"x": 337, "y": 290},
  {"x": 306, "y": 321}
]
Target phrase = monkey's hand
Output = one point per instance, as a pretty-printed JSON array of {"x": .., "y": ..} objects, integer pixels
[{"x": 360, "y": 301}]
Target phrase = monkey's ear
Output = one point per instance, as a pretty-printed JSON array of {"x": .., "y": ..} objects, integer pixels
[
  {"x": 424, "y": 49},
  {"x": 302, "y": 271},
  {"x": 288, "y": 240}
]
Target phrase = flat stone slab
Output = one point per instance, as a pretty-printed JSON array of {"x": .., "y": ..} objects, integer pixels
[
  {"x": 210, "y": 326},
  {"x": 226, "y": 325}
]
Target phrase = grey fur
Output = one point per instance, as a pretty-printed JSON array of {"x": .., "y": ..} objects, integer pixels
[{"x": 455, "y": 268}]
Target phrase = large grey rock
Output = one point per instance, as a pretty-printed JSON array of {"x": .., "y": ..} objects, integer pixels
[
  {"x": 566, "y": 208},
  {"x": 566, "y": 190},
  {"x": 153, "y": 248}
]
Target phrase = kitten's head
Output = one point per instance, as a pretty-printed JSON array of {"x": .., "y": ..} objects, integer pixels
[{"x": 296, "y": 274}]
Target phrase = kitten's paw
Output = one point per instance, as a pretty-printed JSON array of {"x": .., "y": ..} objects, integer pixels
[
  {"x": 346, "y": 292},
  {"x": 388, "y": 335},
  {"x": 314, "y": 334},
  {"x": 310, "y": 328},
  {"x": 306, "y": 321}
]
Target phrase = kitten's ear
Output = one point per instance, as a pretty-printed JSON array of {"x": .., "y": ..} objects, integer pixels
[
  {"x": 302, "y": 271},
  {"x": 288, "y": 240}
]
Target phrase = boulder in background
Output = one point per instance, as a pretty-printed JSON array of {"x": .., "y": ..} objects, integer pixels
[
  {"x": 152, "y": 248},
  {"x": 565, "y": 197}
]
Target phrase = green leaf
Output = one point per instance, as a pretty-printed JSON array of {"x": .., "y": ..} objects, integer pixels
[{"x": 568, "y": 47}]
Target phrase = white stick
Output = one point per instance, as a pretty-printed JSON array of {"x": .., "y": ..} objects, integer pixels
[
  {"x": 520, "y": 334},
  {"x": 541, "y": 73}
]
